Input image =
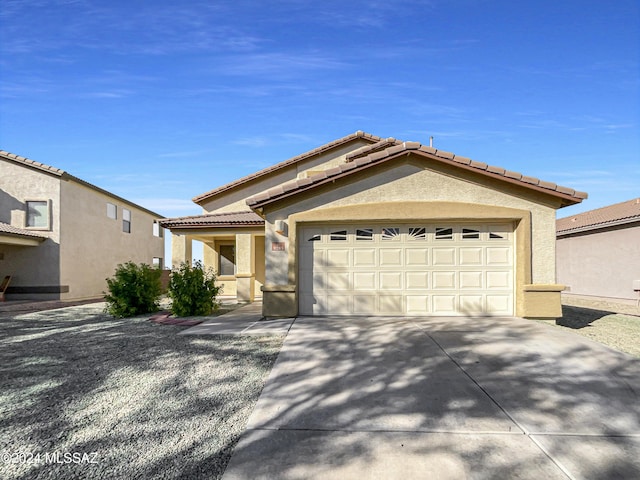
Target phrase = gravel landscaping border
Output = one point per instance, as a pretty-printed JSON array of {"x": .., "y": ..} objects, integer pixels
[
  {"x": 88, "y": 396},
  {"x": 616, "y": 330}
]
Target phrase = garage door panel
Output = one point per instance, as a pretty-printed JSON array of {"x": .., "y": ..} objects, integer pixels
[
  {"x": 364, "y": 257},
  {"x": 417, "y": 256},
  {"x": 472, "y": 280},
  {"x": 391, "y": 281},
  {"x": 390, "y": 304},
  {"x": 470, "y": 256},
  {"x": 391, "y": 257},
  {"x": 364, "y": 280},
  {"x": 444, "y": 280},
  {"x": 444, "y": 256},
  {"x": 338, "y": 258},
  {"x": 428, "y": 269},
  {"x": 417, "y": 280},
  {"x": 498, "y": 256}
]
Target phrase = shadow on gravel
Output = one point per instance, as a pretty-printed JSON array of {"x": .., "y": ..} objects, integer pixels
[
  {"x": 576, "y": 317},
  {"x": 148, "y": 402}
]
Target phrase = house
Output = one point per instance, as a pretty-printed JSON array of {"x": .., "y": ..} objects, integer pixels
[
  {"x": 366, "y": 225},
  {"x": 61, "y": 237},
  {"x": 598, "y": 257}
]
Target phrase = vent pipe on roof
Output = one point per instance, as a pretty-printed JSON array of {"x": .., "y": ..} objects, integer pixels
[{"x": 431, "y": 141}]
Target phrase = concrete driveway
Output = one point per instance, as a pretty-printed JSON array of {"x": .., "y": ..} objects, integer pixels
[{"x": 443, "y": 398}]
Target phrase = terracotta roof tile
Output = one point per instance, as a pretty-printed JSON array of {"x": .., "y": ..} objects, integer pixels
[
  {"x": 292, "y": 161},
  {"x": 31, "y": 163},
  {"x": 569, "y": 195},
  {"x": 367, "y": 150},
  {"x": 20, "y": 232},
  {"x": 616, "y": 214},
  {"x": 231, "y": 219}
]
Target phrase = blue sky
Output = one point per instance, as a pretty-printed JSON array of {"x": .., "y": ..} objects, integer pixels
[{"x": 159, "y": 101}]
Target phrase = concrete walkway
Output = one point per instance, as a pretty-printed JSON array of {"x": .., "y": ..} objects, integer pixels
[
  {"x": 245, "y": 320},
  {"x": 442, "y": 398}
]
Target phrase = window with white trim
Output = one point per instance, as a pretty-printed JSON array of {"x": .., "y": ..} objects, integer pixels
[
  {"x": 37, "y": 214},
  {"x": 112, "y": 211},
  {"x": 126, "y": 220},
  {"x": 157, "y": 229},
  {"x": 444, "y": 233}
]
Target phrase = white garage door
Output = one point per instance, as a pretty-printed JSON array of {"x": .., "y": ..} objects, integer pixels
[{"x": 415, "y": 269}]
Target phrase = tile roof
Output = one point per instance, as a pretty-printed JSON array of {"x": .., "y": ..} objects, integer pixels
[
  {"x": 231, "y": 219},
  {"x": 31, "y": 163},
  {"x": 569, "y": 195},
  {"x": 316, "y": 151},
  {"x": 5, "y": 228},
  {"x": 617, "y": 214}
]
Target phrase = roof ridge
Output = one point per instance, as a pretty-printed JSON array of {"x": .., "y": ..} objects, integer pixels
[
  {"x": 399, "y": 148},
  {"x": 286, "y": 163}
]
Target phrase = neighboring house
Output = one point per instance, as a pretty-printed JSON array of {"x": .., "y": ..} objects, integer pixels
[
  {"x": 371, "y": 226},
  {"x": 598, "y": 257},
  {"x": 61, "y": 237}
]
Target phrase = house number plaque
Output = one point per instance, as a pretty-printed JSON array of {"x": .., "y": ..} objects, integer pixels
[{"x": 277, "y": 246}]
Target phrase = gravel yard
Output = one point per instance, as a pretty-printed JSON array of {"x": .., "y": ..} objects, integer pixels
[
  {"x": 87, "y": 396},
  {"x": 615, "y": 330}
]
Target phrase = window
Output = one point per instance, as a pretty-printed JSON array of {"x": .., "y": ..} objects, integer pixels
[
  {"x": 227, "y": 260},
  {"x": 157, "y": 262},
  {"x": 470, "y": 233},
  {"x": 364, "y": 234},
  {"x": 126, "y": 220},
  {"x": 444, "y": 233},
  {"x": 495, "y": 236},
  {"x": 38, "y": 214},
  {"x": 157, "y": 229},
  {"x": 392, "y": 233},
  {"x": 339, "y": 235},
  {"x": 417, "y": 233},
  {"x": 314, "y": 238},
  {"x": 112, "y": 211}
]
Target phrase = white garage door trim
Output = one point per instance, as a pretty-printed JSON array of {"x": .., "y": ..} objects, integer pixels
[{"x": 412, "y": 269}]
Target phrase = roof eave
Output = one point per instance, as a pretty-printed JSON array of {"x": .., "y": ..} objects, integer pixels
[{"x": 598, "y": 226}]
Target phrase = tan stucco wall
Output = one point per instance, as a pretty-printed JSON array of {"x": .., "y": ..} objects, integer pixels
[
  {"x": 602, "y": 263},
  {"x": 36, "y": 265},
  {"x": 92, "y": 244},
  {"x": 409, "y": 191},
  {"x": 235, "y": 199}
]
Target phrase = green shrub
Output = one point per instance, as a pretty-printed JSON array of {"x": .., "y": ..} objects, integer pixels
[
  {"x": 134, "y": 290},
  {"x": 193, "y": 290}
]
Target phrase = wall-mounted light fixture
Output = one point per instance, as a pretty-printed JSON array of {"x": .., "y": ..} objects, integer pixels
[{"x": 281, "y": 227}]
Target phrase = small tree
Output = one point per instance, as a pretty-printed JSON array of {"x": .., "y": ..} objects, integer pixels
[
  {"x": 193, "y": 290},
  {"x": 134, "y": 290}
]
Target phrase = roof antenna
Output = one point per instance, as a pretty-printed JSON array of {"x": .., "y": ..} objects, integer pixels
[{"x": 431, "y": 141}]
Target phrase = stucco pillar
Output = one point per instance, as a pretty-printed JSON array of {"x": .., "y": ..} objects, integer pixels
[
  {"x": 209, "y": 255},
  {"x": 180, "y": 249},
  {"x": 245, "y": 269}
]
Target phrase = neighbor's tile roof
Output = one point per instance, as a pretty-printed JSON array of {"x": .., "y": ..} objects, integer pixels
[
  {"x": 231, "y": 219},
  {"x": 619, "y": 213},
  {"x": 31, "y": 163},
  {"x": 286, "y": 163},
  {"x": 290, "y": 188},
  {"x": 21, "y": 232}
]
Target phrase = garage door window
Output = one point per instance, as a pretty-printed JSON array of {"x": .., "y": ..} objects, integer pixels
[
  {"x": 390, "y": 233},
  {"x": 444, "y": 233},
  {"x": 417, "y": 233},
  {"x": 470, "y": 234},
  {"x": 364, "y": 234},
  {"x": 339, "y": 236}
]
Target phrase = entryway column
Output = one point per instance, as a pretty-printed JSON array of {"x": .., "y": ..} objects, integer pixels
[
  {"x": 245, "y": 270},
  {"x": 180, "y": 249}
]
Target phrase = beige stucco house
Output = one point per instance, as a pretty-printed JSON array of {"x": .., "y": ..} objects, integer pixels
[
  {"x": 61, "y": 237},
  {"x": 598, "y": 257},
  {"x": 366, "y": 225}
]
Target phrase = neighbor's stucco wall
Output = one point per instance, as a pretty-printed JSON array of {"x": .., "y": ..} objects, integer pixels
[
  {"x": 409, "y": 182},
  {"x": 32, "y": 266},
  {"x": 235, "y": 199},
  {"x": 601, "y": 263},
  {"x": 92, "y": 244}
]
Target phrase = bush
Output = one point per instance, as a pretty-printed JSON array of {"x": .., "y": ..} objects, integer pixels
[
  {"x": 193, "y": 290},
  {"x": 134, "y": 290}
]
